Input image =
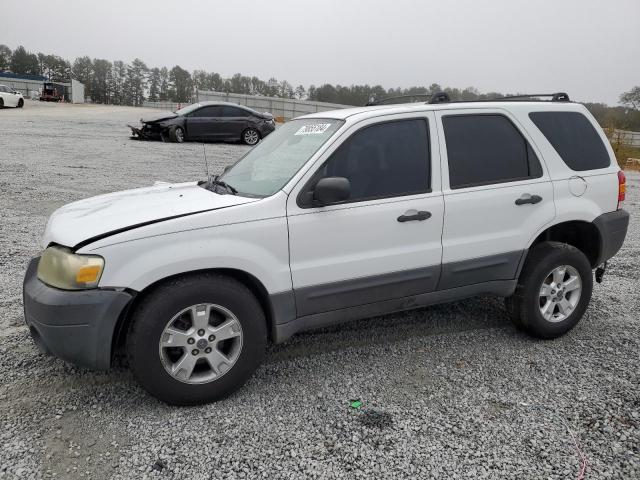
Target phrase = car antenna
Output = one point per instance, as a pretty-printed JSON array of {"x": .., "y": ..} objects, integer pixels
[{"x": 206, "y": 163}]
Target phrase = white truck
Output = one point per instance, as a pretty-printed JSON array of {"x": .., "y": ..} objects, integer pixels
[{"x": 335, "y": 216}]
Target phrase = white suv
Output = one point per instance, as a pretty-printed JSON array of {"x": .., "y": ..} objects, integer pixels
[{"x": 335, "y": 216}]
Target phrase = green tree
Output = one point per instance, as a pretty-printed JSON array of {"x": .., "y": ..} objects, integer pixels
[
  {"x": 116, "y": 84},
  {"x": 180, "y": 85},
  {"x": 135, "y": 83},
  {"x": 82, "y": 71},
  {"x": 24, "y": 62},
  {"x": 164, "y": 84},
  {"x": 5, "y": 58},
  {"x": 100, "y": 81},
  {"x": 631, "y": 98},
  {"x": 154, "y": 84}
]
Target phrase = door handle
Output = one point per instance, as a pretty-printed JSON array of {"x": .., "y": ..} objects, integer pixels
[
  {"x": 527, "y": 198},
  {"x": 420, "y": 216}
]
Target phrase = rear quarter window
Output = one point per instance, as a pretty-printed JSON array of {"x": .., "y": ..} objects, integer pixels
[{"x": 574, "y": 138}]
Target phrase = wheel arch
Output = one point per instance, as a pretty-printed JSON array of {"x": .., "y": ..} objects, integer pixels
[
  {"x": 247, "y": 279},
  {"x": 583, "y": 235}
]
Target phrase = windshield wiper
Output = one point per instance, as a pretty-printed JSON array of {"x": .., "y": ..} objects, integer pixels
[{"x": 214, "y": 182}]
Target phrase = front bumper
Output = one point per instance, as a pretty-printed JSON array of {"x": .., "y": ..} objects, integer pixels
[
  {"x": 76, "y": 326},
  {"x": 145, "y": 133}
]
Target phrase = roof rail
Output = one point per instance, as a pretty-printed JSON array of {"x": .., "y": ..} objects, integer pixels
[
  {"x": 438, "y": 97},
  {"x": 555, "y": 97},
  {"x": 382, "y": 101},
  {"x": 443, "y": 97}
]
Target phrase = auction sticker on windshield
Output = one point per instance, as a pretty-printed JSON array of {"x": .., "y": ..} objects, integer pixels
[{"x": 313, "y": 129}]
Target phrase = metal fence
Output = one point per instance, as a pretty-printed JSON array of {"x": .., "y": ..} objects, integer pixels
[
  {"x": 285, "y": 108},
  {"x": 27, "y": 88},
  {"x": 627, "y": 137}
]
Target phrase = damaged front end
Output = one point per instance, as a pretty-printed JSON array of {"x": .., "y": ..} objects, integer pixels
[{"x": 148, "y": 131}]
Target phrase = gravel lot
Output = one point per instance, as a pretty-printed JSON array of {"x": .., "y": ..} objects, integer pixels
[{"x": 443, "y": 388}]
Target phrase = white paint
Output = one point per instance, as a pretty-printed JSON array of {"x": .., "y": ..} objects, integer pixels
[
  {"x": 9, "y": 96},
  {"x": 285, "y": 246}
]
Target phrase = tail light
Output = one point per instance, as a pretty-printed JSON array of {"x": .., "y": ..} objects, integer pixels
[{"x": 622, "y": 188}]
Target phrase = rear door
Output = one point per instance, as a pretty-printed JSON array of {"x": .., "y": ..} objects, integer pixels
[
  {"x": 384, "y": 241},
  {"x": 234, "y": 121},
  {"x": 497, "y": 195}
]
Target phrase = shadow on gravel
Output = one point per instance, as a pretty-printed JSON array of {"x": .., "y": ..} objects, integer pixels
[{"x": 473, "y": 314}]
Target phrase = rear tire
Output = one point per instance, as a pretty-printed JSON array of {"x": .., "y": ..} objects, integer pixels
[
  {"x": 553, "y": 291},
  {"x": 157, "y": 364},
  {"x": 176, "y": 134},
  {"x": 1, "y": 103}
]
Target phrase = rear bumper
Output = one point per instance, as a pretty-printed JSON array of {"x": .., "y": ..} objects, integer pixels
[
  {"x": 613, "y": 230},
  {"x": 76, "y": 326}
]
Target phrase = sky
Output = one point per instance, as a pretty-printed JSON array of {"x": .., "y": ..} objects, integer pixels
[{"x": 588, "y": 48}]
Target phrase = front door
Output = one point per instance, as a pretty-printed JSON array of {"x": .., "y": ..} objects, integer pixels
[
  {"x": 497, "y": 195},
  {"x": 384, "y": 242},
  {"x": 205, "y": 123}
]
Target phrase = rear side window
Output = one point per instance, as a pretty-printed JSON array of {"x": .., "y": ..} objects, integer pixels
[
  {"x": 385, "y": 160},
  {"x": 235, "y": 112},
  {"x": 574, "y": 138},
  {"x": 485, "y": 149}
]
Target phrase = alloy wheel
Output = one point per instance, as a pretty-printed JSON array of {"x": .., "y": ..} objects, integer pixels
[
  {"x": 560, "y": 293},
  {"x": 251, "y": 137},
  {"x": 200, "y": 343}
]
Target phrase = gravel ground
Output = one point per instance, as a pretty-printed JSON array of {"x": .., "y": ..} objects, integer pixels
[{"x": 451, "y": 391}]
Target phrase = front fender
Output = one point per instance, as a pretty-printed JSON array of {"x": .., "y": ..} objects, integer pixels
[{"x": 259, "y": 248}]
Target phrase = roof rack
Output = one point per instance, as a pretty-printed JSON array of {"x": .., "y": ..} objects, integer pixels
[
  {"x": 443, "y": 97},
  {"x": 555, "y": 97},
  {"x": 382, "y": 101}
]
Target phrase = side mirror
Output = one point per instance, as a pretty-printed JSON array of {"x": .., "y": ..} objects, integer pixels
[{"x": 331, "y": 190}]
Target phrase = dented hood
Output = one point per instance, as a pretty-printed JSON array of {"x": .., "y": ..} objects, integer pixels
[
  {"x": 158, "y": 117},
  {"x": 97, "y": 217}
]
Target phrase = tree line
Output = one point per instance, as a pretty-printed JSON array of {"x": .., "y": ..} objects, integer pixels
[{"x": 121, "y": 83}]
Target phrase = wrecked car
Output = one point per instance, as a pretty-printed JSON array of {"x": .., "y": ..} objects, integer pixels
[{"x": 207, "y": 121}]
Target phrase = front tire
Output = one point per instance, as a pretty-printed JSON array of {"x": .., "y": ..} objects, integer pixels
[
  {"x": 250, "y": 136},
  {"x": 20, "y": 103},
  {"x": 553, "y": 291},
  {"x": 196, "y": 339},
  {"x": 176, "y": 134}
]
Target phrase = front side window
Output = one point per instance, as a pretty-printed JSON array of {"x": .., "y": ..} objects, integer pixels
[
  {"x": 486, "y": 149},
  {"x": 207, "y": 112},
  {"x": 385, "y": 160},
  {"x": 275, "y": 160},
  {"x": 574, "y": 138}
]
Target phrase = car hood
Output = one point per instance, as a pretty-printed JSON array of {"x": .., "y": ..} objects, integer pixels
[
  {"x": 158, "y": 117},
  {"x": 98, "y": 217}
]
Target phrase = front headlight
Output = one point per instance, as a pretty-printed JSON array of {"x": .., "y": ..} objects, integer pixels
[{"x": 61, "y": 268}]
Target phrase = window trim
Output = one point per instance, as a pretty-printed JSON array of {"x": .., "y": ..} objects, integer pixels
[
  {"x": 490, "y": 182},
  {"x": 305, "y": 190}
]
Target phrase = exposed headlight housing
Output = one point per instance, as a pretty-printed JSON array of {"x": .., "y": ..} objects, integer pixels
[{"x": 59, "y": 267}]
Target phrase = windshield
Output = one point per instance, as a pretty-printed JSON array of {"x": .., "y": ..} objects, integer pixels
[
  {"x": 270, "y": 165},
  {"x": 188, "y": 109}
]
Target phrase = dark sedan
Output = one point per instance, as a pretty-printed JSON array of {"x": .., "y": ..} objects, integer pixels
[{"x": 207, "y": 121}]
